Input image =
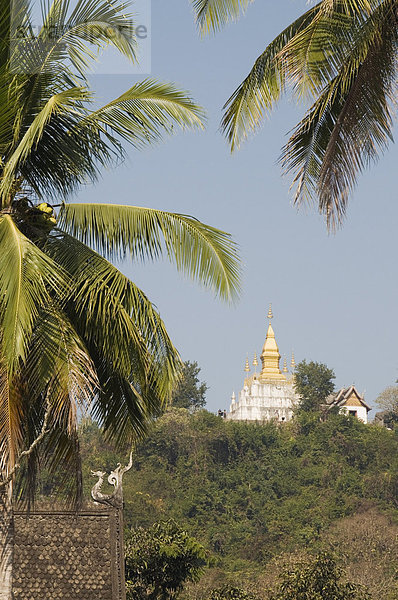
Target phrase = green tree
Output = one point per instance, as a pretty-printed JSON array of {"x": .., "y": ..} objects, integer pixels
[
  {"x": 313, "y": 382},
  {"x": 74, "y": 329},
  {"x": 342, "y": 55},
  {"x": 319, "y": 580},
  {"x": 190, "y": 392},
  {"x": 160, "y": 560}
]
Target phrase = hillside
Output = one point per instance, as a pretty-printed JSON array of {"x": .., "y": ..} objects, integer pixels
[{"x": 256, "y": 495}]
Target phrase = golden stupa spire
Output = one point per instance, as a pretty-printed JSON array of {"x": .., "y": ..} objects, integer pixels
[
  {"x": 285, "y": 366},
  {"x": 247, "y": 366},
  {"x": 270, "y": 356},
  {"x": 255, "y": 360},
  {"x": 293, "y": 362},
  {"x": 255, "y": 365}
]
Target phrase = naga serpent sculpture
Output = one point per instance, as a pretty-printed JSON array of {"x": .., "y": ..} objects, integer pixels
[{"x": 115, "y": 478}]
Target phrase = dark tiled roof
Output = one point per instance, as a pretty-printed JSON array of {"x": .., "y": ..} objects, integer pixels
[
  {"x": 339, "y": 398},
  {"x": 65, "y": 556}
]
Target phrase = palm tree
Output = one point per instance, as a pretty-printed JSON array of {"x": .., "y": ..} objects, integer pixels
[
  {"x": 342, "y": 54},
  {"x": 75, "y": 333}
]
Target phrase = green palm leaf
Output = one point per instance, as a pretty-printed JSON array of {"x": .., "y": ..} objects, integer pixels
[
  {"x": 61, "y": 103},
  {"x": 27, "y": 278},
  {"x": 121, "y": 328},
  {"x": 263, "y": 86},
  {"x": 348, "y": 123},
  {"x": 343, "y": 53},
  {"x": 146, "y": 111},
  {"x": 200, "y": 251},
  {"x": 65, "y": 142},
  {"x": 212, "y": 15}
]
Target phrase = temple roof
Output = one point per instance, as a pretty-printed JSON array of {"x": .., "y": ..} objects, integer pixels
[{"x": 344, "y": 397}]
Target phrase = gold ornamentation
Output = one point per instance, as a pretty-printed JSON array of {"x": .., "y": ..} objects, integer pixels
[
  {"x": 270, "y": 315},
  {"x": 270, "y": 356}
]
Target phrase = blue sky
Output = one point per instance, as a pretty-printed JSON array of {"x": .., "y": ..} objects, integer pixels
[{"x": 334, "y": 297}]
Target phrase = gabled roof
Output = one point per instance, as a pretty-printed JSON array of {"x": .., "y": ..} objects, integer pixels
[{"x": 343, "y": 396}]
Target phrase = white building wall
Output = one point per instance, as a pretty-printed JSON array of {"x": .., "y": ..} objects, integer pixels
[
  {"x": 264, "y": 402},
  {"x": 361, "y": 412}
]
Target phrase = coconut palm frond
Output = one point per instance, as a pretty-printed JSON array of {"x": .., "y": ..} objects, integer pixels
[
  {"x": 212, "y": 15},
  {"x": 68, "y": 41},
  {"x": 59, "y": 362},
  {"x": 350, "y": 6},
  {"x": 27, "y": 277},
  {"x": 200, "y": 251},
  {"x": 65, "y": 144},
  {"x": 62, "y": 448},
  {"x": 126, "y": 409},
  {"x": 262, "y": 88},
  {"x": 346, "y": 127},
  {"x": 59, "y": 377},
  {"x": 338, "y": 34},
  {"x": 73, "y": 329},
  {"x": 11, "y": 421},
  {"x": 145, "y": 112},
  {"x": 59, "y": 104},
  {"x": 362, "y": 129},
  {"x": 114, "y": 315}
]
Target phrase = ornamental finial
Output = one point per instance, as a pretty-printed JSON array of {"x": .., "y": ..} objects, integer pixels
[
  {"x": 255, "y": 360},
  {"x": 247, "y": 367},
  {"x": 293, "y": 362},
  {"x": 270, "y": 315},
  {"x": 285, "y": 366},
  {"x": 115, "y": 478}
]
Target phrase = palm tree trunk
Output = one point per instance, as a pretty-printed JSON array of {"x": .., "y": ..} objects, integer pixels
[{"x": 6, "y": 541}]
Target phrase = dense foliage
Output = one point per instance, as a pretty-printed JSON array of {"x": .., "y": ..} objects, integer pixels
[
  {"x": 159, "y": 560},
  {"x": 319, "y": 580},
  {"x": 251, "y": 492}
]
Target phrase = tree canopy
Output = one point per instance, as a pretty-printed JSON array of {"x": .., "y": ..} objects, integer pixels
[
  {"x": 321, "y": 579},
  {"x": 313, "y": 382},
  {"x": 190, "y": 391},
  {"x": 159, "y": 560}
]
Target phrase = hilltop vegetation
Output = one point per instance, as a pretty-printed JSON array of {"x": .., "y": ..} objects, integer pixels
[{"x": 253, "y": 493}]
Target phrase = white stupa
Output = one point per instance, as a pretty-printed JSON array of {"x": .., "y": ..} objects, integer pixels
[{"x": 268, "y": 395}]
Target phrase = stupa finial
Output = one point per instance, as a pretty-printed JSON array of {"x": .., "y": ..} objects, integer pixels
[
  {"x": 293, "y": 362},
  {"x": 247, "y": 366},
  {"x": 255, "y": 360},
  {"x": 270, "y": 315}
]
